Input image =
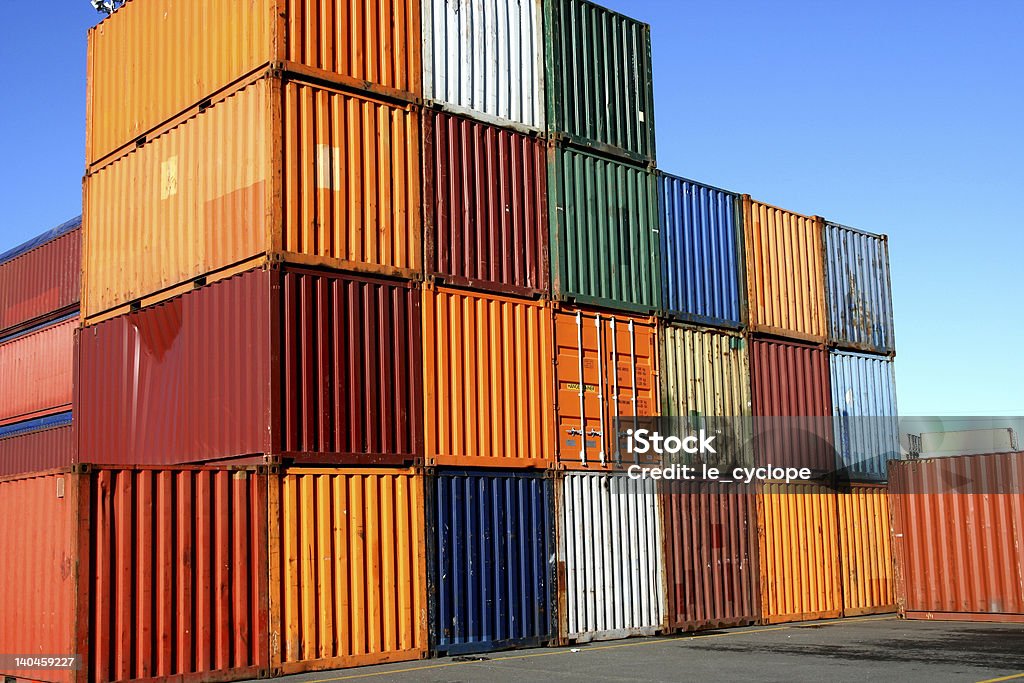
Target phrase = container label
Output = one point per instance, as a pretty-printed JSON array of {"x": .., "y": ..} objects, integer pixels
[{"x": 168, "y": 178}]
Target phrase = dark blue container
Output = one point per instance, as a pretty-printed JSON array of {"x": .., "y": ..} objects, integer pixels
[
  {"x": 491, "y": 545},
  {"x": 701, "y": 253},
  {"x": 39, "y": 423}
]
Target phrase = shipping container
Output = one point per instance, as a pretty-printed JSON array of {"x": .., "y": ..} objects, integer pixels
[
  {"x": 706, "y": 385},
  {"x": 280, "y": 170},
  {"x": 599, "y": 78},
  {"x": 485, "y": 59},
  {"x": 865, "y": 546},
  {"x": 858, "y": 291},
  {"x": 37, "y": 372},
  {"x": 865, "y": 420},
  {"x": 702, "y": 269},
  {"x": 711, "y": 568},
  {"x": 792, "y": 405},
  {"x": 604, "y": 231},
  {"x": 485, "y": 216},
  {"x": 152, "y": 61},
  {"x": 785, "y": 272},
  {"x": 606, "y": 375},
  {"x": 958, "y": 537},
  {"x": 488, "y": 380},
  {"x": 46, "y": 447},
  {"x": 610, "y": 558},
  {"x": 40, "y": 280},
  {"x": 491, "y": 567},
  {"x": 348, "y": 568},
  {"x": 282, "y": 362},
  {"x": 798, "y": 539}
]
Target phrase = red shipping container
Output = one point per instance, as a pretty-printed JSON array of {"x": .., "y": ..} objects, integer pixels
[
  {"x": 45, "y": 449},
  {"x": 280, "y": 362},
  {"x": 485, "y": 205},
  {"x": 37, "y": 371},
  {"x": 42, "y": 282}
]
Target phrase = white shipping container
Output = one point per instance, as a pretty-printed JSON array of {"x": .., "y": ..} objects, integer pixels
[{"x": 485, "y": 59}]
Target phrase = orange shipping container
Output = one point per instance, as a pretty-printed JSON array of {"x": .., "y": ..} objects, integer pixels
[
  {"x": 606, "y": 369},
  {"x": 153, "y": 59},
  {"x": 865, "y": 546},
  {"x": 785, "y": 271},
  {"x": 280, "y": 169},
  {"x": 488, "y": 380},
  {"x": 798, "y": 540},
  {"x": 36, "y": 372}
]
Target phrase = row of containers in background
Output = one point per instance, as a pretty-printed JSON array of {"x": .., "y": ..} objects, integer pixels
[{"x": 209, "y": 572}]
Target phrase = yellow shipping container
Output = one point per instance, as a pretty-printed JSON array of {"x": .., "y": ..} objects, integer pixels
[
  {"x": 154, "y": 59},
  {"x": 280, "y": 169},
  {"x": 869, "y": 585}
]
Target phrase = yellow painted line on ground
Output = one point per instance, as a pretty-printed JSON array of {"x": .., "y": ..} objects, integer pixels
[{"x": 1004, "y": 678}]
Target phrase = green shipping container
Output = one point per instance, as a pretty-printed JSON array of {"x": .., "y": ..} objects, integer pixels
[
  {"x": 598, "y": 78},
  {"x": 604, "y": 231}
]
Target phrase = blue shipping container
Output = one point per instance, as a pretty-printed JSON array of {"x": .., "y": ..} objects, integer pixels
[
  {"x": 858, "y": 290},
  {"x": 701, "y": 246},
  {"x": 40, "y": 423},
  {"x": 865, "y": 420},
  {"x": 491, "y": 561}
]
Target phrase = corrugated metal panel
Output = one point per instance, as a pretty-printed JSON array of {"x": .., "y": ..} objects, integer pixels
[
  {"x": 485, "y": 205},
  {"x": 152, "y": 60},
  {"x": 798, "y": 539},
  {"x": 711, "y": 575},
  {"x": 485, "y": 58},
  {"x": 40, "y": 569},
  {"x": 865, "y": 544},
  {"x": 610, "y": 557},
  {"x": 348, "y": 568},
  {"x": 606, "y": 372},
  {"x": 37, "y": 372},
  {"x": 492, "y": 556},
  {"x": 702, "y": 271},
  {"x": 785, "y": 271},
  {"x": 790, "y": 380},
  {"x": 488, "y": 380},
  {"x": 865, "y": 420},
  {"x": 41, "y": 239},
  {"x": 600, "y": 85},
  {"x": 958, "y": 537},
  {"x": 209, "y": 194},
  {"x": 178, "y": 584},
  {"x": 858, "y": 291},
  {"x": 604, "y": 231},
  {"x": 706, "y": 374},
  {"x": 39, "y": 450},
  {"x": 41, "y": 283}
]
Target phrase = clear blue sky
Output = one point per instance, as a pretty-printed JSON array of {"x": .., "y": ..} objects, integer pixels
[{"x": 903, "y": 118}]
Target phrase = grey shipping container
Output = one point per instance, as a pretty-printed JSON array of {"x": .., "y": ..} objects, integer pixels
[
  {"x": 857, "y": 290},
  {"x": 864, "y": 416}
]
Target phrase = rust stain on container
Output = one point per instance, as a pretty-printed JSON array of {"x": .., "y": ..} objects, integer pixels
[
  {"x": 488, "y": 380},
  {"x": 280, "y": 170},
  {"x": 798, "y": 539},
  {"x": 152, "y": 60},
  {"x": 869, "y": 586},
  {"x": 37, "y": 371},
  {"x": 607, "y": 380},
  {"x": 785, "y": 271},
  {"x": 41, "y": 284},
  {"x": 41, "y": 450},
  {"x": 711, "y": 551},
  {"x": 485, "y": 205},
  {"x": 958, "y": 536},
  {"x": 348, "y": 568}
]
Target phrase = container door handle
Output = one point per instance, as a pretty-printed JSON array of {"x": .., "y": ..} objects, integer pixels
[
  {"x": 600, "y": 386},
  {"x": 615, "y": 390},
  {"x": 583, "y": 388},
  {"x": 632, "y": 372}
]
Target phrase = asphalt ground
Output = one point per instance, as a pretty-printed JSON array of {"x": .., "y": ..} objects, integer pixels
[{"x": 879, "y": 648}]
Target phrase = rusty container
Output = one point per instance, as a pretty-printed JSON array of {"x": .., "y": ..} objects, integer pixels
[
  {"x": 487, "y": 380},
  {"x": 798, "y": 545},
  {"x": 279, "y": 362},
  {"x": 40, "y": 280},
  {"x": 711, "y": 546},
  {"x": 958, "y": 537},
  {"x": 865, "y": 546},
  {"x": 858, "y": 290},
  {"x": 606, "y": 376},
  {"x": 37, "y": 445},
  {"x": 37, "y": 372},
  {"x": 278, "y": 170},
  {"x": 785, "y": 272},
  {"x": 485, "y": 218},
  {"x": 347, "y": 567},
  {"x": 156, "y": 60}
]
